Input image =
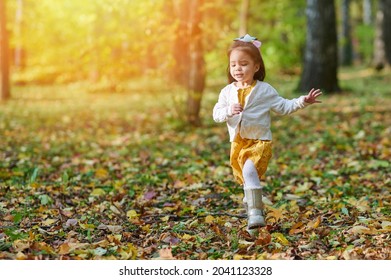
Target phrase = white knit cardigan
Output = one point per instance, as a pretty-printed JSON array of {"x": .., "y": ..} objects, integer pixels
[{"x": 255, "y": 119}]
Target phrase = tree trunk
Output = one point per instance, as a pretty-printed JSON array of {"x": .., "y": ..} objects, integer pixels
[
  {"x": 243, "y": 17},
  {"x": 196, "y": 77},
  {"x": 367, "y": 8},
  {"x": 18, "y": 56},
  {"x": 5, "y": 92},
  {"x": 321, "y": 52},
  {"x": 379, "y": 51},
  {"x": 181, "y": 42},
  {"x": 387, "y": 29},
  {"x": 347, "y": 48}
]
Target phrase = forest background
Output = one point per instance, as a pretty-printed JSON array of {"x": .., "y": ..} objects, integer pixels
[{"x": 98, "y": 160}]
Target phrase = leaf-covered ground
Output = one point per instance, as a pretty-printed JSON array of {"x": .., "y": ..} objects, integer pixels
[{"x": 99, "y": 176}]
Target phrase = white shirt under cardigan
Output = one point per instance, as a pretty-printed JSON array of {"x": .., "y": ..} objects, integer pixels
[{"x": 255, "y": 119}]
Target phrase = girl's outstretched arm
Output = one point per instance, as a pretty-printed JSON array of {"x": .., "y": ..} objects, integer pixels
[{"x": 312, "y": 95}]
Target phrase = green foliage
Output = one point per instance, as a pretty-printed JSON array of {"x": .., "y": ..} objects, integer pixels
[
  {"x": 365, "y": 37},
  {"x": 280, "y": 25},
  {"x": 111, "y": 41}
]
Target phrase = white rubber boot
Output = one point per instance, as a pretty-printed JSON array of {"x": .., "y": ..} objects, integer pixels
[{"x": 255, "y": 216}]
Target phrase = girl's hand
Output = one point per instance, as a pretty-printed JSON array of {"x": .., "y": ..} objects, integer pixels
[
  {"x": 312, "y": 95},
  {"x": 236, "y": 109}
]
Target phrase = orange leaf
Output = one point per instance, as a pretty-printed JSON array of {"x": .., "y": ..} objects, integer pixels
[
  {"x": 275, "y": 214},
  {"x": 264, "y": 237},
  {"x": 314, "y": 223},
  {"x": 165, "y": 254},
  {"x": 64, "y": 249},
  {"x": 296, "y": 228}
]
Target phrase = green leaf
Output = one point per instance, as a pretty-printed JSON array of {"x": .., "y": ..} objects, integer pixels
[
  {"x": 18, "y": 217},
  {"x": 34, "y": 176},
  {"x": 345, "y": 211},
  {"x": 45, "y": 199},
  {"x": 65, "y": 178},
  {"x": 100, "y": 251}
]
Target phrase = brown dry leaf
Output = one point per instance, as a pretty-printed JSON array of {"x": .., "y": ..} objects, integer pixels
[
  {"x": 114, "y": 229},
  {"x": 42, "y": 246},
  {"x": 48, "y": 222},
  {"x": 165, "y": 254},
  {"x": 275, "y": 214},
  {"x": 362, "y": 230},
  {"x": 20, "y": 245},
  {"x": 296, "y": 228},
  {"x": 116, "y": 239},
  {"x": 165, "y": 218},
  {"x": 64, "y": 249},
  {"x": 216, "y": 229},
  {"x": 8, "y": 218},
  {"x": 209, "y": 219},
  {"x": 70, "y": 223},
  {"x": 314, "y": 223},
  {"x": 386, "y": 226},
  {"x": 21, "y": 256},
  {"x": 362, "y": 205},
  {"x": 115, "y": 210},
  {"x": 264, "y": 237},
  {"x": 68, "y": 247}
]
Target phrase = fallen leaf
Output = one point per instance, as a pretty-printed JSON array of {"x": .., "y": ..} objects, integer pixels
[
  {"x": 71, "y": 223},
  {"x": 165, "y": 254},
  {"x": 21, "y": 256},
  {"x": 20, "y": 245},
  {"x": 238, "y": 257},
  {"x": 362, "y": 230},
  {"x": 263, "y": 238},
  {"x": 114, "y": 229},
  {"x": 150, "y": 195},
  {"x": 165, "y": 218},
  {"x": 280, "y": 238},
  {"x": 87, "y": 226},
  {"x": 314, "y": 223},
  {"x": 209, "y": 219},
  {"x": 97, "y": 192},
  {"x": 64, "y": 249},
  {"x": 68, "y": 247},
  {"x": 187, "y": 237},
  {"x": 48, "y": 222},
  {"x": 99, "y": 251},
  {"x": 274, "y": 214},
  {"x": 128, "y": 252},
  {"x": 101, "y": 173},
  {"x": 131, "y": 214},
  {"x": 386, "y": 225},
  {"x": 296, "y": 228},
  {"x": 115, "y": 210}
]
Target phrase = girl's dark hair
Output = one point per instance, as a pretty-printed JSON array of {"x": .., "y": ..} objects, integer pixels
[{"x": 254, "y": 53}]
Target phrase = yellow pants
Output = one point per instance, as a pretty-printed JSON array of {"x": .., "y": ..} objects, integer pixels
[{"x": 259, "y": 151}]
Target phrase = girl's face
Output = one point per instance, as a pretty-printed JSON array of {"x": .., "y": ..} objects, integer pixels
[{"x": 242, "y": 67}]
